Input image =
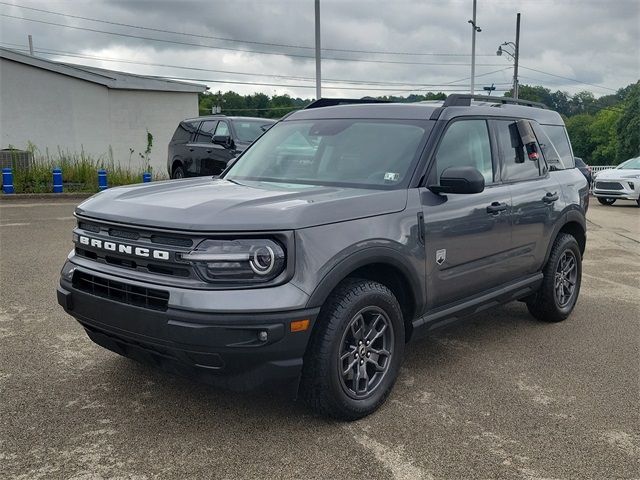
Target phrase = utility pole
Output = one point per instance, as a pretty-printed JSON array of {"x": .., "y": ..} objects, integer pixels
[
  {"x": 30, "y": 45},
  {"x": 517, "y": 53},
  {"x": 474, "y": 29},
  {"x": 318, "y": 66}
]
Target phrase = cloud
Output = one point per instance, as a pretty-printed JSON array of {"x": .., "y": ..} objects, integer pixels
[{"x": 595, "y": 42}]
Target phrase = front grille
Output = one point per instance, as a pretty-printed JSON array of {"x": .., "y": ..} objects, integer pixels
[
  {"x": 609, "y": 185},
  {"x": 114, "y": 232},
  {"x": 121, "y": 292}
]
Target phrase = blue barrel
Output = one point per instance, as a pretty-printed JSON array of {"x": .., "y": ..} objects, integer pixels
[
  {"x": 7, "y": 180},
  {"x": 102, "y": 180},
  {"x": 146, "y": 177},
  {"x": 57, "y": 180}
]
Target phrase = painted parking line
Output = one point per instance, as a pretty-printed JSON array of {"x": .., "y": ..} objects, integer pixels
[{"x": 33, "y": 205}]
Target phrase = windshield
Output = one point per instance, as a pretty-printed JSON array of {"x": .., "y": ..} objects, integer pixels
[
  {"x": 632, "y": 164},
  {"x": 248, "y": 130},
  {"x": 350, "y": 152}
]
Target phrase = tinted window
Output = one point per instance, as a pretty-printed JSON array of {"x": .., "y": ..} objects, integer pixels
[
  {"x": 354, "y": 152},
  {"x": 558, "y": 136},
  {"x": 466, "y": 144},
  {"x": 206, "y": 131},
  {"x": 184, "y": 132},
  {"x": 249, "y": 130},
  {"x": 222, "y": 129},
  {"x": 515, "y": 162}
]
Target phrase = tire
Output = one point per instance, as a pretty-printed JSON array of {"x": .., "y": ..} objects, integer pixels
[
  {"x": 606, "y": 201},
  {"x": 638, "y": 202},
  {"x": 549, "y": 304},
  {"x": 335, "y": 345},
  {"x": 178, "y": 172}
]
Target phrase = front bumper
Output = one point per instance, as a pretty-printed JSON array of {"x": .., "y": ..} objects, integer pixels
[
  {"x": 626, "y": 189},
  {"x": 224, "y": 349}
]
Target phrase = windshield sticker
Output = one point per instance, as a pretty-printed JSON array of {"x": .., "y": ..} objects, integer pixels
[{"x": 391, "y": 177}]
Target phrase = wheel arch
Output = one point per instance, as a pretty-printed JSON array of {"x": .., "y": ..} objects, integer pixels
[
  {"x": 575, "y": 225},
  {"x": 382, "y": 265},
  {"x": 177, "y": 162}
]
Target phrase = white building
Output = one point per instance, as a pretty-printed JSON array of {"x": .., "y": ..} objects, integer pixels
[{"x": 57, "y": 106}]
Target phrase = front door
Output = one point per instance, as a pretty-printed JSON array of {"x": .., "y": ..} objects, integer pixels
[
  {"x": 467, "y": 236},
  {"x": 197, "y": 149},
  {"x": 217, "y": 156}
]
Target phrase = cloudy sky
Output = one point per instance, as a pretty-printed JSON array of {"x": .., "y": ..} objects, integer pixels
[{"x": 370, "y": 47}]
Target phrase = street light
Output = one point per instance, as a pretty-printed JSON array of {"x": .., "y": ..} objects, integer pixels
[{"x": 513, "y": 54}]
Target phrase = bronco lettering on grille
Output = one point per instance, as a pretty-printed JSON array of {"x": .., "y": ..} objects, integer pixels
[{"x": 124, "y": 249}]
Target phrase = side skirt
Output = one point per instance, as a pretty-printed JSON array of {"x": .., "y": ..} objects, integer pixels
[{"x": 452, "y": 313}]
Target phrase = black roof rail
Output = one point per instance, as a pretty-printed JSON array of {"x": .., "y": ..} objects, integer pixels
[
  {"x": 464, "y": 100},
  {"x": 331, "y": 102}
]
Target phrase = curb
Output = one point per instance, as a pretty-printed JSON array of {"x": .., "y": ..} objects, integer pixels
[{"x": 44, "y": 196}]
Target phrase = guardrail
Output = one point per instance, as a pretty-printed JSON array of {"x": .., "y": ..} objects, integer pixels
[{"x": 599, "y": 168}]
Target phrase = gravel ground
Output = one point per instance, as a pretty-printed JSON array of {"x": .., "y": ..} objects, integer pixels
[{"x": 501, "y": 396}]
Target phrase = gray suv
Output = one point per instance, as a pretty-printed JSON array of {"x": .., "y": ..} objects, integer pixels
[{"x": 343, "y": 233}]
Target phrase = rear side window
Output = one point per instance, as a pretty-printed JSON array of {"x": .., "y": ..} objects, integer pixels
[
  {"x": 222, "y": 129},
  {"x": 466, "y": 144},
  {"x": 206, "y": 131},
  {"x": 560, "y": 140},
  {"x": 515, "y": 162},
  {"x": 184, "y": 132}
]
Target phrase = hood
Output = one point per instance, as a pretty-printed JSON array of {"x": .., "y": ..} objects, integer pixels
[
  {"x": 617, "y": 173},
  {"x": 203, "y": 204}
]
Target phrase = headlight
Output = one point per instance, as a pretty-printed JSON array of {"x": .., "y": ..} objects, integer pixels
[
  {"x": 243, "y": 261},
  {"x": 637, "y": 175}
]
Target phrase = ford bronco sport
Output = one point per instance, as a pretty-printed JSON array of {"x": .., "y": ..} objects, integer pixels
[{"x": 340, "y": 235}]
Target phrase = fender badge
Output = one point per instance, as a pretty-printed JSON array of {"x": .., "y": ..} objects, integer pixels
[{"x": 441, "y": 256}]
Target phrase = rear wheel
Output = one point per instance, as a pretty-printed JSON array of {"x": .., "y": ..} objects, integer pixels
[
  {"x": 561, "y": 284},
  {"x": 178, "y": 172},
  {"x": 606, "y": 200},
  {"x": 355, "y": 352}
]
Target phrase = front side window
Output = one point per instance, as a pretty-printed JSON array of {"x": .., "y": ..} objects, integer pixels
[
  {"x": 352, "y": 152},
  {"x": 466, "y": 144},
  {"x": 222, "y": 129},
  {"x": 206, "y": 131},
  {"x": 515, "y": 161}
]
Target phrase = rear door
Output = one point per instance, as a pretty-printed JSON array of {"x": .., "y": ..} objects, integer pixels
[
  {"x": 536, "y": 198},
  {"x": 467, "y": 236},
  {"x": 200, "y": 147}
]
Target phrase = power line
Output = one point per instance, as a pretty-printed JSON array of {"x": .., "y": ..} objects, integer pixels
[
  {"x": 46, "y": 51},
  {"x": 253, "y": 42},
  {"x": 189, "y": 44},
  {"x": 568, "y": 78}
]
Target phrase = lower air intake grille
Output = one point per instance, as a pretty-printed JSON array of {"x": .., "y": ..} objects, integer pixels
[
  {"x": 121, "y": 292},
  {"x": 609, "y": 185}
]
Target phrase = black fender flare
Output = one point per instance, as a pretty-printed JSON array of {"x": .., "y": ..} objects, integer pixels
[
  {"x": 571, "y": 216},
  {"x": 368, "y": 256}
]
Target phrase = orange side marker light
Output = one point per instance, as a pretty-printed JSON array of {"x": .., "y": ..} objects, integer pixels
[{"x": 299, "y": 325}]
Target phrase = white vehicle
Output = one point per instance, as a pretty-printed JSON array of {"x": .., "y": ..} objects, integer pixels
[{"x": 622, "y": 182}]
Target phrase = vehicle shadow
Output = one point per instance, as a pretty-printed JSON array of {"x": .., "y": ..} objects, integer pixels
[{"x": 185, "y": 399}]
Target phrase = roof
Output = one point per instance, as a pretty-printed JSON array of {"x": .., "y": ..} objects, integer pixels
[
  {"x": 428, "y": 110},
  {"x": 109, "y": 78},
  {"x": 231, "y": 117}
]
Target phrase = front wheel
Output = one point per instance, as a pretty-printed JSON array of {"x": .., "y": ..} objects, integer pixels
[
  {"x": 606, "y": 200},
  {"x": 561, "y": 283},
  {"x": 178, "y": 173},
  {"x": 355, "y": 352}
]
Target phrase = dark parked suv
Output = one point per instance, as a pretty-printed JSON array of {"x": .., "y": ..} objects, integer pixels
[
  {"x": 204, "y": 145},
  {"x": 339, "y": 236}
]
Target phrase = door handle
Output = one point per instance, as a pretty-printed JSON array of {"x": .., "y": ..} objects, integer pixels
[
  {"x": 496, "y": 207},
  {"x": 550, "y": 197},
  {"x": 208, "y": 151},
  {"x": 191, "y": 149}
]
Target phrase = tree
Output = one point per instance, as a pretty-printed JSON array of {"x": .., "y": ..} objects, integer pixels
[
  {"x": 603, "y": 136},
  {"x": 579, "y": 129},
  {"x": 628, "y": 125}
]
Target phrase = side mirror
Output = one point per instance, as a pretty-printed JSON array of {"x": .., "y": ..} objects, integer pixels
[
  {"x": 224, "y": 140},
  {"x": 459, "y": 180}
]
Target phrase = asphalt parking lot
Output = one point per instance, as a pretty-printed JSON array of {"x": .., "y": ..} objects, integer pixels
[{"x": 501, "y": 396}]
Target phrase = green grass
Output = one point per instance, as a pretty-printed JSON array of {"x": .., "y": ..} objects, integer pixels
[{"x": 79, "y": 173}]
